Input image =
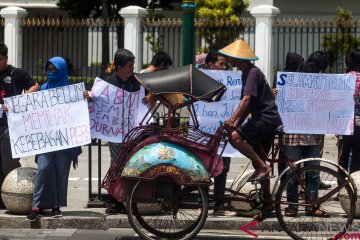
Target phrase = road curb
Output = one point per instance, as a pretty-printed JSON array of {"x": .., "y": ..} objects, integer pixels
[{"x": 94, "y": 220}]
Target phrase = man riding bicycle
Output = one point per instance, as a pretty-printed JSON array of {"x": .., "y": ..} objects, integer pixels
[{"x": 257, "y": 100}]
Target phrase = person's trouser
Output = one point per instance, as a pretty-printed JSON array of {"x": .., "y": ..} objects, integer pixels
[
  {"x": 312, "y": 178},
  {"x": 282, "y": 165},
  {"x": 350, "y": 143},
  {"x": 51, "y": 183},
  {"x": 114, "y": 149},
  {"x": 220, "y": 181},
  {"x": 7, "y": 163}
]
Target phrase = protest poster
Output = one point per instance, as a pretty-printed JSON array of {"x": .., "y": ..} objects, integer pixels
[
  {"x": 312, "y": 103},
  {"x": 209, "y": 115},
  {"x": 113, "y": 111},
  {"x": 48, "y": 120}
]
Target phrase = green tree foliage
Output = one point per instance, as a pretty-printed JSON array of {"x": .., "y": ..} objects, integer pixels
[
  {"x": 339, "y": 43},
  {"x": 92, "y": 8},
  {"x": 215, "y": 13},
  {"x": 221, "y": 9}
]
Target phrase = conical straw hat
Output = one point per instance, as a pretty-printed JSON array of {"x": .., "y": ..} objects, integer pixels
[{"x": 240, "y": 50}]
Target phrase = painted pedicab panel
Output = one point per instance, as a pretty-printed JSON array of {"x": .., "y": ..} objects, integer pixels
[{"x": 166, "y": 158}]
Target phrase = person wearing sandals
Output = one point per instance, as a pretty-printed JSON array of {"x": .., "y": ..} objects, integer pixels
[
  {"x": 51, "y": 182},
  {"x": 301, "y": 146},
  {"x": 257, "y": 100}
]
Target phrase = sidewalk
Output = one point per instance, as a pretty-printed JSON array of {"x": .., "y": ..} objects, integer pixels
[{"x": 78, "y": 216}]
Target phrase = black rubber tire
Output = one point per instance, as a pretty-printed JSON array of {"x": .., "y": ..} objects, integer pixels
[
  {"x": 142, "y": 225},
  {"x": 288, "y": 224}
]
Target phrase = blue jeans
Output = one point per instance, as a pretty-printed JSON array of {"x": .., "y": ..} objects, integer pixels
[{"x": 312, "y": 179}]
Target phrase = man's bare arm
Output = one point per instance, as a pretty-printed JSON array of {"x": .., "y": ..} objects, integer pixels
[
  {"x": 34, "y": 88},
  {"x": 240, "y": 114}
]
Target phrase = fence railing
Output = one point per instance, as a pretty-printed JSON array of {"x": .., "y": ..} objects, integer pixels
[
  {"x": 78, "y": 41},
  {"x": 335, "y": 38},
  {"x": 166, "y": 34}
]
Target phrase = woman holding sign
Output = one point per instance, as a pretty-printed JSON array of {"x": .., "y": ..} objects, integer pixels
[{"x": 51, "y": 183}]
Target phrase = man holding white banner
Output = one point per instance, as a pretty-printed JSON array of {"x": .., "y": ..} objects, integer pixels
[{"x": 124, "y": 103}]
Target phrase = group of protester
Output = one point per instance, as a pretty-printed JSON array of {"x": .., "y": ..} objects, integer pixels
[{"x": 257, "y": 100}]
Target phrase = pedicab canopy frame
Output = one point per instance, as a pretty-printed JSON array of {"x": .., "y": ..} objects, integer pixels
[
  {"x": 182, "y": 152},
  {"x": 179, "y": 87},
  {"x": 186, "y": 80}
]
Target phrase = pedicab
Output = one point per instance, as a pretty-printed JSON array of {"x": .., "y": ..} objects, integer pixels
[{"x": 163, "y": 172}]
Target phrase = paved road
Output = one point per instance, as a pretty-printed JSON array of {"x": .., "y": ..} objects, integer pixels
[{"x": 120, "y": 234}]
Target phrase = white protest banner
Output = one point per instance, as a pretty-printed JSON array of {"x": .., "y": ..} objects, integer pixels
[
  {"x": 48, "y": 120},
  {"x": 113, "y": 111},
  {"x": 314, "y": 103},
  {"x": 210, "y": 114}
]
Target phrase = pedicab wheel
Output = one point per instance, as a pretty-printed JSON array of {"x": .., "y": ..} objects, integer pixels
[
  {"x": 325, "y": 219},
  {"x": 181, "y": 210}
]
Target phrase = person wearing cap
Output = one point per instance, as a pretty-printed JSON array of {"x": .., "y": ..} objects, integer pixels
[{"x": 257, "y": 100}]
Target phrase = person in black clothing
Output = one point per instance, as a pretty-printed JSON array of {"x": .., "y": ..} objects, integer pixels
[
  {"x": 121, "y": 77},
  {"x": 13, "y": 81},
  {"x": 257, "y": 100}
]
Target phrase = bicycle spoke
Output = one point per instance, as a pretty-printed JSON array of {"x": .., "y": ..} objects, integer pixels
[
  {"x": 178, "y": 216},
  {"x": 313, "y": 223}
]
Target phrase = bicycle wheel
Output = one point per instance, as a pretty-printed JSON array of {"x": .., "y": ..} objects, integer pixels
[
  {"x": 299, "y": 221},
  {"x": 181, "y": 210}
]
